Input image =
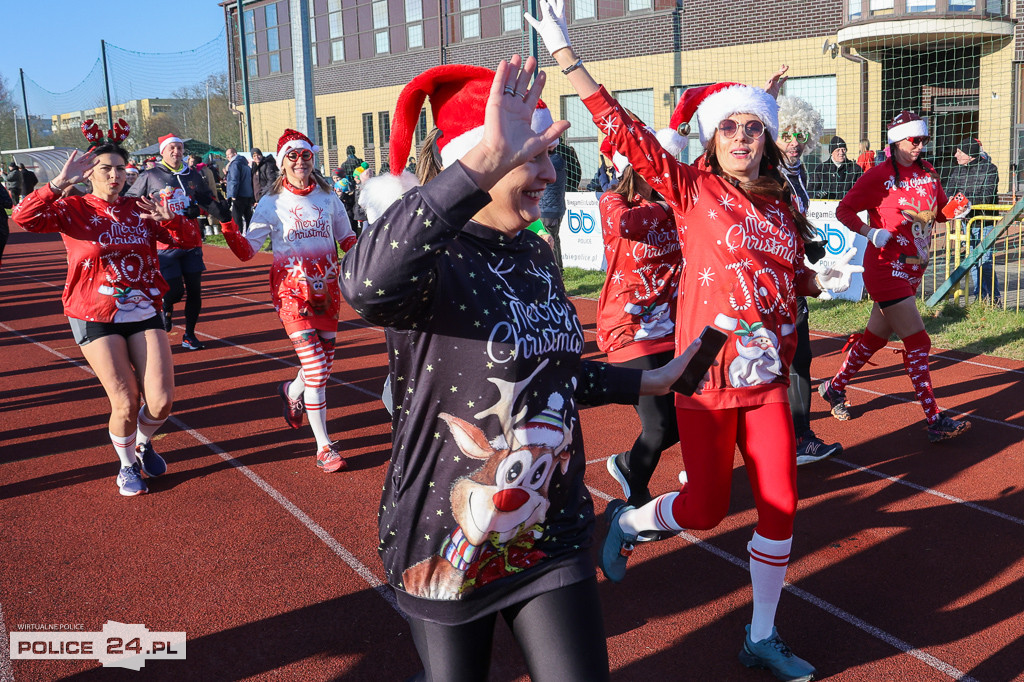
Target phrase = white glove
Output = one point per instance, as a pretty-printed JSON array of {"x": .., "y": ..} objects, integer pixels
[
  {"x": 552, "y": 26},
  {"x": 836, "y": 278},
  {"x": 962, "y": 213},
  {"x": 879, "y": 237}
]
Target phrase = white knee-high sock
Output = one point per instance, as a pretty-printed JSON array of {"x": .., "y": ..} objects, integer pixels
[
  {"x": 124, "y": 446},
  {"x": 147, "y": 426},
  {"x": 655, "y": 515},
  {"x": 768, "y": 562},
  {"x": 297, "y": 386}
]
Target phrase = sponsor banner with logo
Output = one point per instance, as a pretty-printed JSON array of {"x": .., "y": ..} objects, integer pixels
[
  {"x": 822, "y": 214},
  {"x": 580, "y": 232}
]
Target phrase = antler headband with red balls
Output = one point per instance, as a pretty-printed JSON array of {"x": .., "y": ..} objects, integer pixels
[{"x": 118, "y": 134}]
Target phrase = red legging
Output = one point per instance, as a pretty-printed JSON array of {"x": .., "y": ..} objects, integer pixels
[{"x": 764, "y": 434}]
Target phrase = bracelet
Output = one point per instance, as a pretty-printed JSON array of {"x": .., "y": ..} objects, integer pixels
[
  {"x": 569, "y": 69},
  {"x": 54, "y": 188}
]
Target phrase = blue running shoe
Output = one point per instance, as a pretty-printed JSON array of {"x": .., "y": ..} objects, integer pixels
[
  {"x": 153, "y": 464},
  {"x": 129, "y": 481},
  {"x": 774, "y": 655},
  {"x": 617, "y": 546}
]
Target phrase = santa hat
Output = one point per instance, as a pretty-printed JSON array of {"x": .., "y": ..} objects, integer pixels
[
  {"x": 907, "y": 124},
  {"x": 712, "y": 104},
  {"x": 620, "y": 162},
  {"x": 293, "y": 139},
  {"x": 545, "y": 428},
  {"x": 458, "y": 96},
  {"x": 168, "y": 139}
]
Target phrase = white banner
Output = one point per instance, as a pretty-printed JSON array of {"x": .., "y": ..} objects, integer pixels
[
  {"x": 580, "y": 232},
  {"x": 822, "y": 214}
]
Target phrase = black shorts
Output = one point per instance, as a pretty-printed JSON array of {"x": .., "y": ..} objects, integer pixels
[
  {"x": 176, "y": 262},
  {"x": 85, "y": 331},
  {"x": 886, "y": 304}
]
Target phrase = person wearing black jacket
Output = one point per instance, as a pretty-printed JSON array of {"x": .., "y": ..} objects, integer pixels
[
  {"x": 978, "y": 179},
  {"x": 185, "y": 191},
  {"x": 351, "y": 162},
  {"x": 5, "y": 230},
  {"x": 28, "y": 181},
  {"x": 834, "y": 177},
  {"x": 14, "y": 182},
  {"x": 264, "y": 173}
]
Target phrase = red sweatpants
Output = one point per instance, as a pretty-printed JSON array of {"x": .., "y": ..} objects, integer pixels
[{"x": 764, "y": 435}]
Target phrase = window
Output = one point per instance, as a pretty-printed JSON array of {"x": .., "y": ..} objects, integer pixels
[
  {"x": 920, "y": 5},
  {"x": 638, "y": 5},
  {"x": 854, "y": 10},
  {"x": 470, "y": 18},
  {"x": 583, "y": 135},
  {"x": 319, "y": 133},
  {"x": 819, "y": 92},
  {"x": 881, "y": 7},
  {"x": 584, "y": 9},
  {"x": 421, "y": 128},
  {"x": 413, "y": 23},
  {"x": 693, "y": 147},
  {"x": 249, "y": 26},
  {"x": 332, "y": 133},
  {"x": 640, "y": 102},
  {"x": 512, "y": 18},
  {"x": 312, "y": 32},
  {"x": 380, "y": 21},
  {"x": 335, "y": 30},
  {"x": 275, "y": 63},
  {"x": 385, "y": 127},
  {"x": 367, "y": 130},
  {"x": 273, "y": 37}
]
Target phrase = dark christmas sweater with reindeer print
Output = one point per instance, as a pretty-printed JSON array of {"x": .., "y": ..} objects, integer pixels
[{"x": 484, "y": 503}]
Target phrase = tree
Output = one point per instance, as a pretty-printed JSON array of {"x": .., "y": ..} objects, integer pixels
[
  {"x": 8, "y": 110},
  {"x": 223, "y": 125}
]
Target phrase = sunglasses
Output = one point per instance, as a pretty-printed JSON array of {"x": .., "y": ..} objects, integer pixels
[
  {"x": 801, "y": 138},
  {"x": 752, "y": 129},
  {"x": 919, "y": 140},
  {"x": 297, "y": 154}
]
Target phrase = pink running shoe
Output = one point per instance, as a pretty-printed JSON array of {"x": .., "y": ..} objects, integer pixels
[
  {"x": 329, "y": 460},
  {"x": 293, "y": 409}
]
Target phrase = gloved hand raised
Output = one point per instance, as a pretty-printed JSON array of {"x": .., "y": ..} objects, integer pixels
[{"x": 552, "y": 25}]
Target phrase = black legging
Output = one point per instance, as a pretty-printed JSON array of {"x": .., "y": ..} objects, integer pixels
[
  {"x": 800, "y": 373},
  {"x": 189, "y": 283},
  {"x": 658, "y": 430},
  {"x": 561, "y": 635}
]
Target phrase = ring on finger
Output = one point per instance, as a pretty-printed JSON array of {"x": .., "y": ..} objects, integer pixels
[
  {"x": 510, "y": 91},
  {"x": 520, "y": 95}
]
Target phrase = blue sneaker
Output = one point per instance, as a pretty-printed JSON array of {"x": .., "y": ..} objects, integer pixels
[
  {"x": 129, "y": 481},
  {"x": 617, "y": 545},
  {"x": 774, "y": 655},
  {"x": 153, "y": 464}
]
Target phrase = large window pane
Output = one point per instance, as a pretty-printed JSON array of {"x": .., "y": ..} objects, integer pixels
[
  {"x": 250, "y": 43},
  {"x": 413, "y": 10},
  {"x": 249, "y": 20},
  {"x": 273, "y": 44},
  {"x": 271, "y": 14},
  {"x": 920, "y": 5},
  {"x": 380, "y": 14},
  {"x": 582, "y": 135},
  {"x": 855, "y": 9},
  {"x": 511, "y": 18},
  {"x": 584, "y": 9},
  {"x": 332, "y": 132},
  {"x": 638, "y": 5},
  {"x": 385, "y": 127},
  {"x": 471, "y": 25},
  {"x": 333, "y": 5},
  {"x": 640, "y": 102},
  {"x": 819, "y": 92},
  {"x": 337, "y": 50},
  {"x": 367, "y": 130},
  {"x": 415, "y": 34},
  {"x": 275, "y": 62},
  {"x": 334, "y": 22},
  {"x": 382, "y": 41},
  {"x": 466, "y": 5}
]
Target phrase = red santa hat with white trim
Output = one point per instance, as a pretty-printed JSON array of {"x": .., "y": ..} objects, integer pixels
[
  {"x": 168, "y": 139},
  {"x": 458, "y": 96},
  {"x": 907, "y": 124},
  {"x": 713, "y": 103},
  {"x": 291, "y": 140}
]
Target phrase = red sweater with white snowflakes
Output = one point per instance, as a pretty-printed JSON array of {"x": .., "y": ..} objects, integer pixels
[
  {"x": 637, "y": 309},
  {"x": 742, "y": 266},
  {"x": 113, "y": 271},
  {"x": 909, "y": 210},
  {"x": 303, "y": 227}
]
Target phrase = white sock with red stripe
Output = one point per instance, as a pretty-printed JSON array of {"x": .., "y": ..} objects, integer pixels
[
  {"x": 124, "y": 446},
  {"x": 147, "y": 426},
  {"x": 297, "y": 386},
  {"x": 768, "y": 562},
  {"x": 655, "y": 515},
  {"x": 314, "y": 374}
]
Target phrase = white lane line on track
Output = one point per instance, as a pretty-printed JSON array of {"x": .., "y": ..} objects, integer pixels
[
  {"x": 829, "y": 608},
  {"x": 359, "y": 567},
  {"x": 6, "y": 668}
]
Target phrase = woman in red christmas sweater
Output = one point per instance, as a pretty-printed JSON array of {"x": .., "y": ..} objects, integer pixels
[
  {"x": 742, "y": 246},
  {"x": 637, "y": 311},
  {"x": 904, "y": 199},
  {"x": 113, "y": 294},
  {"x": 304, "y": 219}
]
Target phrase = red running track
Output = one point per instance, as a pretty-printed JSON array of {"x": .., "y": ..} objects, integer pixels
[{"x": 908, "y": 561}]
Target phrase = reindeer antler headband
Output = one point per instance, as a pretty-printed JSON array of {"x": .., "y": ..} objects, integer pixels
[{"x": 118, "y": 134}]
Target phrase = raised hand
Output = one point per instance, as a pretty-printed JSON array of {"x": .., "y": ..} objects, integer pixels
[
  {"x": 76, "y": 169},
  {"x": 773, "y": 86},
  {"x": 153, "y": 210},
  {"x": 552, "y": 25},
  {"x": 837, "y": 277}
]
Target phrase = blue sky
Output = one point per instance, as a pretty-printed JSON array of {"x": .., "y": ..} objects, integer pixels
[{"x": 58, "y": 42}]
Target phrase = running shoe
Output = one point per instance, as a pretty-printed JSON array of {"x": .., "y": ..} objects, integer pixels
[
  {"x": 810, "y": 449},
  {"x": 617, "y": 468},
  {"x": 837, "y": 400},
  {"x": 129, "y": 481},
  {"x": 293, "y": 409},
  {"x": 329, "y": 460},
  {"x": 190, "y": 342},
  {"x": 168, "y": 325},
  {"x": 617, "y": 545},
  {"x": 773, "y": 654},
  {"x": 153, "y": 464},
  {"x": 945, "y": 427}
]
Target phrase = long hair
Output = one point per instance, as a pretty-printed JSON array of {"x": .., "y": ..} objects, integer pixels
[
  {"x": 629, "y": 184},
  {"x": 769, "y": 182},
  {"x": 316, "y": 177},
  {"x": 919, "y": 163},
  {"x": 429, "y": 159}
]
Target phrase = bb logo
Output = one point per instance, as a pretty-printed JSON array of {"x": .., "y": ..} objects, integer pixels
[
  {"x": 835, "y": 238},
  {"x": 580, "y": 221}
]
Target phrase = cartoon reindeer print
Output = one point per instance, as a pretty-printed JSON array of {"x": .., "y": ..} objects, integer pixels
[
  {"x": 921, "y": 225},
  {"x": 500, "y": 508},
  {"x": 317, "y": 285}
]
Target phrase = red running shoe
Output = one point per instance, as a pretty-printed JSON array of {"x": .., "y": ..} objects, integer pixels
[
  {"x": 329, "y": 460},
  {"x": 293, "y": 409}
]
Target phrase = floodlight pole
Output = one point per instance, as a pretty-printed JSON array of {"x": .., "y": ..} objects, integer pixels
[
  {"x": 209, "y": 127},
  {"x": 106, "y": 85},
  {"x": 24, "y": 103}
]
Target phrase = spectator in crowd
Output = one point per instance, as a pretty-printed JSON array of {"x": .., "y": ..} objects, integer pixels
[
  {"x": 264, "y": 173},
  {"x": 239, "y": 189},
  {"x": 149, "y": 163},
  {"x": 410, "y": 165},
  {"x": 361, "y": 174},
  {"x": 978, "y": 179},
  {"x": 604, "y": 179},
  {"x": 14, "y": 182},
  {"x": 833, "y": 177},
  {"x": 351, "y": 162},
  {"x": 28, "y": 181},
  {"x": 131, "y": 175},
  {"x": 866, "y": 159},
  {"x": 5, "y": 230},
  {"x": 552, "y": 202}
]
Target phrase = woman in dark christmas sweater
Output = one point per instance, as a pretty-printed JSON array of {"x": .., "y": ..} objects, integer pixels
[
  {"x": 637, "y": 310},
  {"x": 304, "y": 220},
  {"x": 904, "y": 200},
  {"x": 113, "y": 295},
  {"x": 742, "y": 247},
  {"x": 484, "y": 509}
]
